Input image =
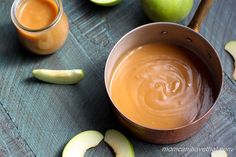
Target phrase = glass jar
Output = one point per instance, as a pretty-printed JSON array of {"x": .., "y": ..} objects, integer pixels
[{"x": 45, "y": 40}]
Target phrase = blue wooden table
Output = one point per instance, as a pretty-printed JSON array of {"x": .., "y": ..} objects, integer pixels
[{"x": 38, "y": 119}]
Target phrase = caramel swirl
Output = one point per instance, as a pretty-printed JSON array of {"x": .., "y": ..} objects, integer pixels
[{"x": 158, "y": 86}]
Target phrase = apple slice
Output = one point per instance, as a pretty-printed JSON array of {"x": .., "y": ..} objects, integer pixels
[
  {"x": 59, "y": 76},
  {"x": 79, "y": 144},
  {"x": 106, "y": 2},
  {"x": 119, "y": 143},
  {"x": 231, "y": 48},
  {"x": 219, "y": 153}
]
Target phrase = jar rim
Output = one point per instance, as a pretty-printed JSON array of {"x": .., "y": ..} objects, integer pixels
[{"x": 14, "y": 7}]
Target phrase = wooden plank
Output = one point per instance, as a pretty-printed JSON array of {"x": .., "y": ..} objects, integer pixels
[
  {"x": 11, "y": 142},
  {"x": 47, "y": 116},
  {"x": 219, "y": 28}
]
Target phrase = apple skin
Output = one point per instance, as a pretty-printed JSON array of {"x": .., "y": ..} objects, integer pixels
[{"x": 167, "y": 10}]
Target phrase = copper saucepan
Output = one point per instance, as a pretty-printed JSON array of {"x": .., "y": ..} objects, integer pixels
[{"x": 183, "y": 36}]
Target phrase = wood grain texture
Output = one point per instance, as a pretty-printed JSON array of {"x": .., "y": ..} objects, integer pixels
[
  {"x": 11, "y": 143},
  {"x": 46, "y": 116}
]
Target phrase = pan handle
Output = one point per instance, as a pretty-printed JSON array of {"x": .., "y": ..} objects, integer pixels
[{"x": 200, "y": 14}]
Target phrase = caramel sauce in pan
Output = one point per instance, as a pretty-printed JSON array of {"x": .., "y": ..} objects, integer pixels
[{"x": 160, "y": 86}]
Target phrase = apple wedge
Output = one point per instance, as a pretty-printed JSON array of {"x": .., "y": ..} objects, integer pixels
[
  {"x": 219, "y": 153},
  {"x": 119, "y": 143},
  {"x": 59, "y": 76},
  {"x": 106, "y": 2},
  {"x": 231, "y": 48},
  {"x": 79, "y": 144}
]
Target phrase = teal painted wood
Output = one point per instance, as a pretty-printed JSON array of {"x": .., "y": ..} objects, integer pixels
[
  {"x": 46, "y": 116},
  {"x": 11, "y": 142}
]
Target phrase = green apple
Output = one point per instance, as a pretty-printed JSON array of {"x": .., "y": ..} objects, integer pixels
[
  {"x": 119, "y": 143},
  {"x": 79, "y": 144},
  {"x": 59, "y": 76},
  {"x": 167, "y": 10},
  {"x": 106, "y": 2}
]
